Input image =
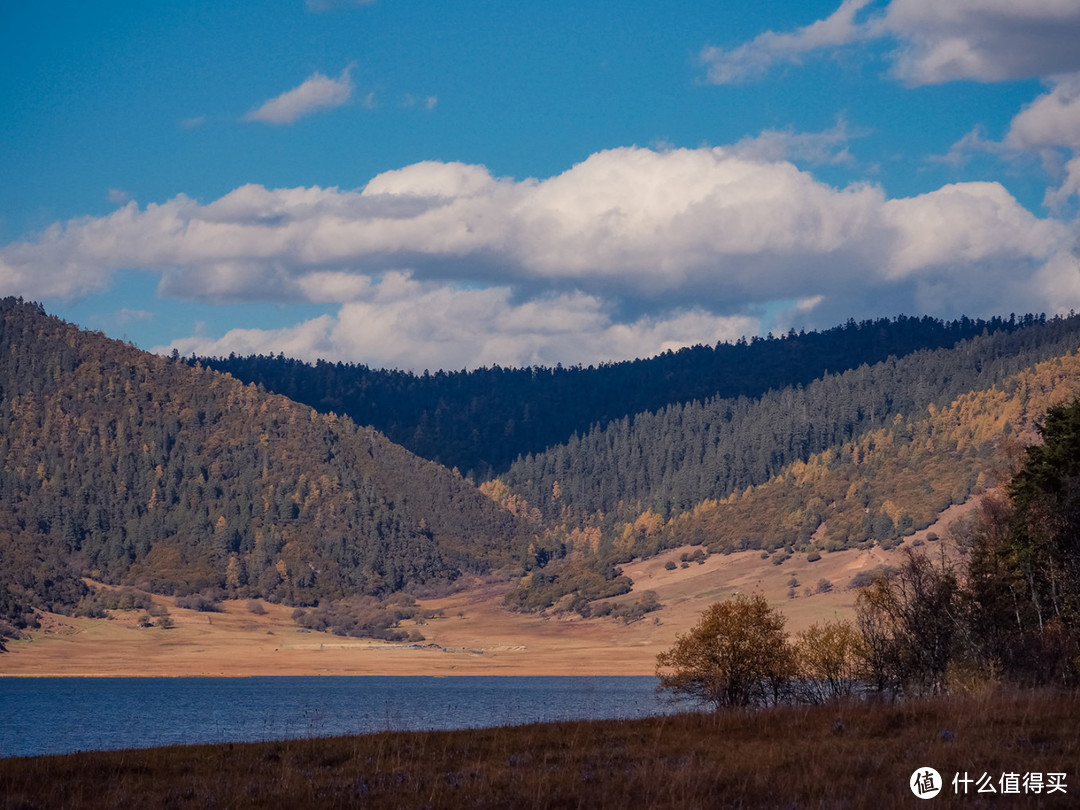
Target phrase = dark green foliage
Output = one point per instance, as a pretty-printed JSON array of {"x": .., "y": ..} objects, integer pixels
[
  {"x": 101, "y": 600},
  {"x": 865, "y": 578},
  {"x": 365, "y": 617},
  {"x": 627, "y": 612},
  {"x": 197, "y": 601},
  {"x": 481, "y": 421},
  {"x": 132, "y": 468},
  {"x": 568, "y": 584},
  {"x": 674, "y": 458},
  {"x": 1024, "y": 577}
]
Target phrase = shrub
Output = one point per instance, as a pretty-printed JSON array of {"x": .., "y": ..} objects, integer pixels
[
  {"x": 737, "y": 655},
  {"x": 831, "y": 661},
  {"x": 197, "y": 601}
]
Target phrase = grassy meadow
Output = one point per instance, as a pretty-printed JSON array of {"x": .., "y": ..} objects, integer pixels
[{"x": 841, "y": 755}]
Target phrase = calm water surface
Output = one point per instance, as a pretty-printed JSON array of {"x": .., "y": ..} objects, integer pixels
[{"x": 60, "y": 715}]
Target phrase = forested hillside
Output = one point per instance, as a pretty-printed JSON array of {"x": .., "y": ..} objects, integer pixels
[
  {"x": 481, "y": 421},
  {"x": 669, "y": 460},
  {"x": 877, "y": 488},
  {"x": 891, "y": 481},
  {"x": 134, "y": 468}
]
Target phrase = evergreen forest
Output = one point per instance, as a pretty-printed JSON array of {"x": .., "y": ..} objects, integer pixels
[
  {"x": 268, "y": 478},
  {"x": 481, "y": 421},
  {"x": 132, "y": 468}
]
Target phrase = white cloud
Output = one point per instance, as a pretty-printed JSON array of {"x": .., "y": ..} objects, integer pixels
[
  {"x": 1053, "y": 119},
  {"x": 316, "y": 94},
  {"x": 413, "y": 326},
  {"x": 117, "y": 196},
  {"x": 618, "y": 242},
  {"x": 1048, "y": 127},
  {"x": 754, "y": 58},
  {"x": 125, "y": 315},
  {"x": 815, "y": 148},
  {"x": 984, "y": 40},
  {"x": 1070, "y": 185},
  {"x": 409, "y": 101}
]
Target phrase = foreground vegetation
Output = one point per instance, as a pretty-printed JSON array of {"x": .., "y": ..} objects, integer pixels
[{"x": 849, "y": 754}]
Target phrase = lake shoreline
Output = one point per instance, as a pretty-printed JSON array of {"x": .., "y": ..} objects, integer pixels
[{"x": 857, "y": 754}]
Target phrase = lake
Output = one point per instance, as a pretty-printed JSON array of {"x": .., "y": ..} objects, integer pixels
[{"x": 61, "y": 715}]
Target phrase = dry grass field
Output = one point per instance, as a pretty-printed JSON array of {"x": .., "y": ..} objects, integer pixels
[
  {"x": 833, "y": 756},
  {"x": 477, "y": 635}
]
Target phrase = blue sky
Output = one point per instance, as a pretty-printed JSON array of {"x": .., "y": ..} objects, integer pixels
[{"x": 424, "y": 185}]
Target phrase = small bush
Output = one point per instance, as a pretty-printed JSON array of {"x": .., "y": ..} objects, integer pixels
[
  {"x": 670, "y": 565},
  {"x": 255, "y": 606},
  {"x": 197, "y": 601},
  {"x": 865, "y": 578}
]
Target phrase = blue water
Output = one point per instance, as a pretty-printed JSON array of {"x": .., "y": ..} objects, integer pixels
[{"x": 61, "y": 715}]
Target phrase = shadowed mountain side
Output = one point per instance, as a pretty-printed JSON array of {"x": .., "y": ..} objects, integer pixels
[
  {"x": 480, "y": 421},
  {"x": 134, "y": 468},
  {"x": 668, "y": 461}
]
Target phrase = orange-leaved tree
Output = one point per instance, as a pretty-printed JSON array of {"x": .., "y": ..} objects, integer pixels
[{"x": 737, "y": 655}]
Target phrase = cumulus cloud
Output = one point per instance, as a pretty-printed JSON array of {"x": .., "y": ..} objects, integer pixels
[
  {"x": 1053, "y": 119},
  {"x": 1048, "y": 127},
  {"x": 316, "y": 94},
  {"x": 984, "y": 40},
  {"x": 411, "y": 325},
  {"x": 616, "y": 244}
]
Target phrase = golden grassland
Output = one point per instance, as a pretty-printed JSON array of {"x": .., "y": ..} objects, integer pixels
[
  {"x": 831, "y": 756},
  {"x": 476, "y": 636}
]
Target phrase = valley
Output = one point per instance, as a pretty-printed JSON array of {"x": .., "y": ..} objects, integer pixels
[{"x": 476, "y": 636}]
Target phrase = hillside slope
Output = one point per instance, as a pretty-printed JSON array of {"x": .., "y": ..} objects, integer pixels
[
  {"x": 873, "y": 490},
  {"x": 133, "y": 468},
  {"x": 669, "y": 460},
  {"x": 480, "y": 421}
]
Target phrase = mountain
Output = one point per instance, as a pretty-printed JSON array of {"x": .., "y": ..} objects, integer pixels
[
  {"x": 165, "y": 474},
  {"x": 134, "y": 468},
  {"x": 876, "y": 489},
  {"x": 668, "y": 461},
  {"x": 481, "y": 421}
]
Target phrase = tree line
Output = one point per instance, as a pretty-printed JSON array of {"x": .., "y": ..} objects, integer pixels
[
  {"x": 1008, "y": 613},
  {"x": 481, "y": 421}
]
